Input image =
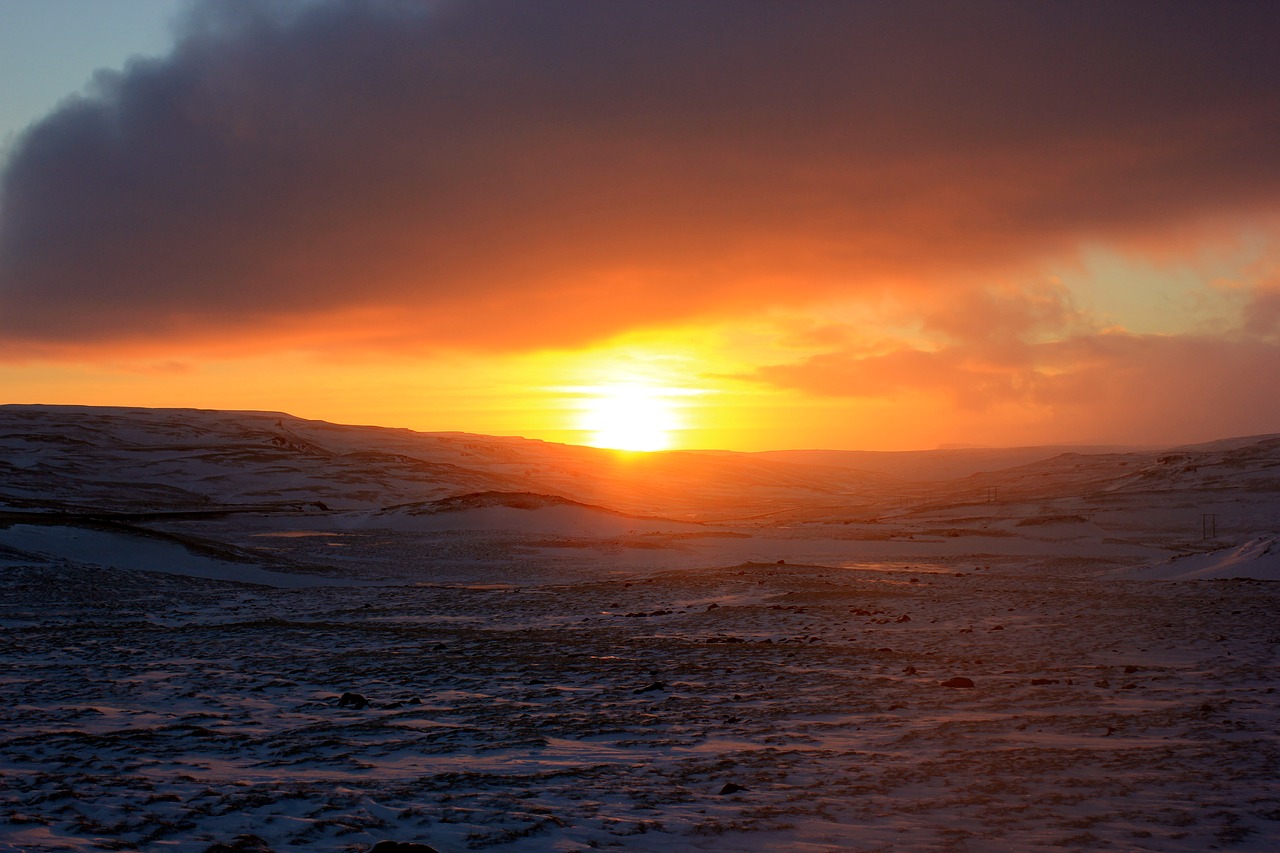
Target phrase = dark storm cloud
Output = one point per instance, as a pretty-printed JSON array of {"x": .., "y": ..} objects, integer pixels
[{"x": 504, "y": 174}]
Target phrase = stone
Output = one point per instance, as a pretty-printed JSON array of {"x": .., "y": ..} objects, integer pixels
[
  {"x": 353, "y": 700},
  {"x": 247, "y": 843}
]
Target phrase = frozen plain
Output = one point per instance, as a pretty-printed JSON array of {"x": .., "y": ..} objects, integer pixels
[{"x": 564, "y": 649}]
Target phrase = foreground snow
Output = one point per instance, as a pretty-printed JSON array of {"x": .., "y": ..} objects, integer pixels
[
  {"x": 1258, "y": 559},
  {"x": 162, "y": 712},
  {"x": 246, "y": 632}
]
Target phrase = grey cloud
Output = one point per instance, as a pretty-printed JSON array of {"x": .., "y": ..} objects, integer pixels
[{"x": 506, "y": 174}]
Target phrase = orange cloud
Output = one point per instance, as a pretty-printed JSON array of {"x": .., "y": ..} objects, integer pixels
[
  {"x": 509, "y": 176},
  {"x": 1105, "y": 387}
]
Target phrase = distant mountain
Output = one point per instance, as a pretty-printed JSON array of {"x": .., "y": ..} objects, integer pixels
[
  {"x": 488, "y": 500},
  {"x": 1229, "y": 443},
  {"x": 524, "y": 511},
  {"x": 186, "y": 459},
  {"x": 81, "y": 459},
  {"x": 124, "y": 459},
  {"x": 936, "y": 465}
]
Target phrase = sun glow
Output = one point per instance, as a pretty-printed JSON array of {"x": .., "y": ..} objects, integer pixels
[{"x": 630, "y": 417}]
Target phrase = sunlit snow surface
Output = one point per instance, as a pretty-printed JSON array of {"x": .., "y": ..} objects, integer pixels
[{"x": 173, "y": 683}]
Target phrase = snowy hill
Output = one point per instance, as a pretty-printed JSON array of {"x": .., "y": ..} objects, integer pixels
[{"x": 153, "y": 465}]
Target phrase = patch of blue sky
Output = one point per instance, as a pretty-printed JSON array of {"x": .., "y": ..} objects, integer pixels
[{"x": 50, "y": 49}]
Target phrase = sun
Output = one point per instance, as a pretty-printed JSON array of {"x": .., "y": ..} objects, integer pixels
[{"x": 630, "y": 417}]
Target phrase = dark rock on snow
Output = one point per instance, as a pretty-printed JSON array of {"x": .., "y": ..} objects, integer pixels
[
  {"x": 248, "y": 843},
  {"x": 401, "y": 847},
  {"x": 353, "y": 700}
]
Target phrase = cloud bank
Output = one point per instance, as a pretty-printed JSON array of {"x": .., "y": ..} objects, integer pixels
[
  {"x": 504, "y": 175},
  {"x": 996, "y": 356}
]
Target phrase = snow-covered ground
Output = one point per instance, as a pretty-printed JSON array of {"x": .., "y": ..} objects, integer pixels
[{"x": 197, "y": 657}]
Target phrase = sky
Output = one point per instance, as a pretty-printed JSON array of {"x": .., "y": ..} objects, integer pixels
[{"x": 649, "y": 223}]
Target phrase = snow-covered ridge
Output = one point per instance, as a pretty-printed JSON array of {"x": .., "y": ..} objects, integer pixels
[
  {"x": 122, "y": 458},
  {"x": 1257, "y": 559},
  {"x": 150, "y": 465}
]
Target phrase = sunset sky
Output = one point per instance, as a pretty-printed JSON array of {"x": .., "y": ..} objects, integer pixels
[{"x": 739, "y": 225}]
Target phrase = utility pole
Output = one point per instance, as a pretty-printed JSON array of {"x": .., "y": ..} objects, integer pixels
[{"x": 1208, "y": 525}]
